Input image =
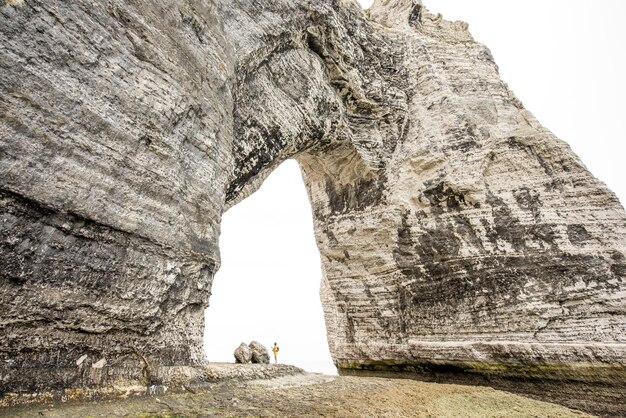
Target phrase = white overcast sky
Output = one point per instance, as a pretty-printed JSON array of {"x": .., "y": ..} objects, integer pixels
[{"x": 566, "y": 61}]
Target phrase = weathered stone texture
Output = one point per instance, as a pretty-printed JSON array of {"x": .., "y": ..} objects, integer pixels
[
  {"x": 115, "y": 153},
  {"x": 243, "y": 354},
  {"x": 453, "y": 228},
  {"x": 260, "y": 355}
]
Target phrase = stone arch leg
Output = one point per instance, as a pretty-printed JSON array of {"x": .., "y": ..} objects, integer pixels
[{"x": 113, "y": 170}]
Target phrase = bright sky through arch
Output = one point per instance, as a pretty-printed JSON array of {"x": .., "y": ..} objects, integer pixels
[{"x": 268, "y": 286}]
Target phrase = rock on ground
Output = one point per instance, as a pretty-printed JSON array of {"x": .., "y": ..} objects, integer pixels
[
  {"x": 259, "y": 353},
  {"x": 318, "y": 395},
  {"x": 243, "y": 354}
]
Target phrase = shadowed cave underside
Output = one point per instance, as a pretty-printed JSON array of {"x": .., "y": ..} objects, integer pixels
[{"x": 460, "y": 240}]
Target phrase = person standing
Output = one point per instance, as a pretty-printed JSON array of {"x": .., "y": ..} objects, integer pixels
[{"x": 275, "y": 351}]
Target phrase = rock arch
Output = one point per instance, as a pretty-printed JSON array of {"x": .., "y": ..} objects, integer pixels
[{"x": 455, "y": 231}]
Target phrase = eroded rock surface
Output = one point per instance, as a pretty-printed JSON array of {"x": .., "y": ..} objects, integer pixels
[
  {"x": 260, "y": 354},
  {"x": 455, "y": 231},
  {"x": 243, "y": 354}
]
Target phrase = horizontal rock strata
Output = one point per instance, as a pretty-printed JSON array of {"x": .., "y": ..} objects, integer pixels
[{"x": 454, "y": 229}]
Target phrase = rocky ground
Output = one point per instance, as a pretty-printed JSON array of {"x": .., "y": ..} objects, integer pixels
[{"x": 307, "y": 394}]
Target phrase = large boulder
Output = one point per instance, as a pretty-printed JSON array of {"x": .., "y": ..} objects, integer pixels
[
  {"x": 243, "y": 354},
  {"x": 259, "y": 353}
]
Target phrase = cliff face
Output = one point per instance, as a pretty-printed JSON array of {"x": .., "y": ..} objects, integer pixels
[
  {"x": 115, "y": 155},
  {"x": 454, "y": 229}
]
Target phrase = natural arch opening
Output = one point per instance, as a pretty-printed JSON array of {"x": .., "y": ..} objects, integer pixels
[{"x": 267, "y": 288}]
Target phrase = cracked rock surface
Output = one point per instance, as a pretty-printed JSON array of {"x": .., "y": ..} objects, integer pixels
[
  {"x": 456, "y": 233},
  {"x": 243, "y": 354}
]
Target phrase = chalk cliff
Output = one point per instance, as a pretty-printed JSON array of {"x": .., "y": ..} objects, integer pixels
[{"x": 455, "y": 231}]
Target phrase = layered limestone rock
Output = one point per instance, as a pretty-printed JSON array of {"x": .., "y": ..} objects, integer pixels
[
  {"x": 115, "y": 153},
  {"x": 455, "y": 231}
]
